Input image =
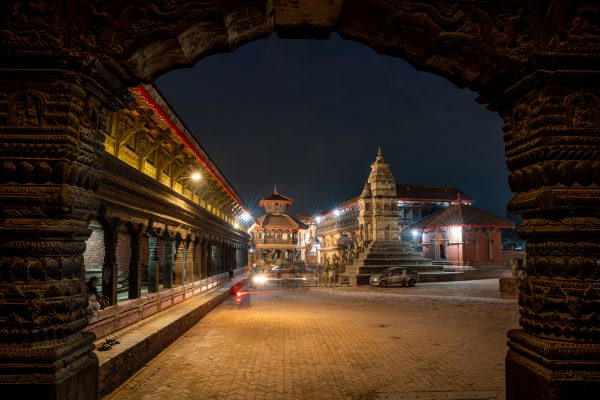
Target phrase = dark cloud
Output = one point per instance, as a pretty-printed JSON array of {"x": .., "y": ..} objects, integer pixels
[{"x": 309, "y": 115}]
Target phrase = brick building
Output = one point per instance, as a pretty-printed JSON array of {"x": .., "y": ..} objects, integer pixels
[{"x": 462, "y": 235}]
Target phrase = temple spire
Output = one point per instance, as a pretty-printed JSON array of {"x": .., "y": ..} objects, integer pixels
[{"x": 275, "y": 190}]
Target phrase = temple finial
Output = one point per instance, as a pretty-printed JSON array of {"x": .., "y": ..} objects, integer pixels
[
  {"x": 379, "y": 154},
  {"x": 275, "y": 190}
]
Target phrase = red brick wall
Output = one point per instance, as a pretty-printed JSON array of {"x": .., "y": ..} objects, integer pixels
[
  {"x": 123, "y": 251},
  {"x": 94, "y": 248}
]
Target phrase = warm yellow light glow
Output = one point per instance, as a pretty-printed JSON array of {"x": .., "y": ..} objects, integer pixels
[
  {"x": 196, "y": 176},
  {"x": 236, "y": 225},
  {"x": 260, "y": 279},
  {"x": 456, "y": 232}
]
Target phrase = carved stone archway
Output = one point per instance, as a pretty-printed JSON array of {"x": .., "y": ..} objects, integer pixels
[{"x": 64, "y": 64}]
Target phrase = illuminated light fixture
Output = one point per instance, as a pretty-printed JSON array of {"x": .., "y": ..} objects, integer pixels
[
  {"x": 260, "y": 279},
  {"x": 336, "y": 213},
  {"x": 245, "y": 216},
  {"x": 415, "y": 233},
  {"x": 196, "y": 176},
  {"x": 456, "y": 230},
  {"x": 236, "y": 225},
  {"x": 318, "y": 219}
]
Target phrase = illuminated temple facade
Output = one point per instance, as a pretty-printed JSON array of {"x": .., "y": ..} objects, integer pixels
[
  {"x": 277, "y": 237},
  {"x": 386, "y": 211}
]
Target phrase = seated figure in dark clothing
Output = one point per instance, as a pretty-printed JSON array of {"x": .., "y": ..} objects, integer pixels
[{"x": 91, "y": 286}]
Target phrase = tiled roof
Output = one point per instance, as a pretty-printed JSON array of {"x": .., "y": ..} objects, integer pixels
[
  {"x": 425, "y": 192},
  {"x": 279, "y": 221},
  {"x": 276, "y": 197},
  {"x": 461, "y": 215}
]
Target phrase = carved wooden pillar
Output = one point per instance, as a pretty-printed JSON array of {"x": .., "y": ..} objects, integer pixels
[
  {"x": 153, "y": 275},
  {"x": 178, "y": 261},
  {"x": 187, "y": 260},
  {"x": 166, "y": 265},
  {"x": 135, "y": 270},
  {"x": 230, "y": 262},
  {"x": 209, "y": 258},
  {"x": 552, "y": 138},
  {"x": 204, "y": 263},
  {"x": 110, "y": 268},
  {"x": 51, "y": 114},
  {"x": 197, "y": 260}
]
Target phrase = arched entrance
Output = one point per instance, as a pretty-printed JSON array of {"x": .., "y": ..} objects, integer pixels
[{"x": 65, "y": 65}]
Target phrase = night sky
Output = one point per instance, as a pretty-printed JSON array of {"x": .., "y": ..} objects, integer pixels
[{"x": 308, "y": 115}]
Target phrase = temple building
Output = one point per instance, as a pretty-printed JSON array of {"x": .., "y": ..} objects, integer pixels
[
  {"x": 384, "y": 211},
  {"x": 277, "y": 237},
  {"x": 462, "y": 235},
  {"x": 418, "y": 226}
]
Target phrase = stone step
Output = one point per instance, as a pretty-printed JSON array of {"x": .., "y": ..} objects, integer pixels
[
  {"x": 373, "y": 269},
  {"x": 394, "y": 261}
]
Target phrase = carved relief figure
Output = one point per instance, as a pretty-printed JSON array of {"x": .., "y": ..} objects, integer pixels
[
  {"x": 26, "y": 109},
  {"x": 583, "y": 110}
]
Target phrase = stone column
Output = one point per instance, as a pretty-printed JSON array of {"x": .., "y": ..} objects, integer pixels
[
  {"x": 135, "y": 269},
  {"x": 552, "y": 135},
  {"x": 51, "y": 120}
]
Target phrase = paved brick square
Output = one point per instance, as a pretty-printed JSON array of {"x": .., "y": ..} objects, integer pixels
[{"x": 434, "y": 341}]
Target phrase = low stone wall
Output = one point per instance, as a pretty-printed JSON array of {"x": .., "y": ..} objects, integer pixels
[
  {"x": 440, "y": 276},
  {"x": 488, "y": 273},
  {"x": 127, "y": 312},
  {"x": 138, "y": 347}
]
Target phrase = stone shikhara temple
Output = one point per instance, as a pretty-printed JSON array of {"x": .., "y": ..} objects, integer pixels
[
  {"x": 383, "y": 226},
  {"x": 65, "y": 66}
]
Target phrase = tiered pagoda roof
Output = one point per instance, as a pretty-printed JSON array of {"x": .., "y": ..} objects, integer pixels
[{"x": 463, "y": 215}]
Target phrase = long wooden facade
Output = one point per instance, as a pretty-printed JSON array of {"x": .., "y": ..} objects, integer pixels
[{"x": 157, "y": 230}]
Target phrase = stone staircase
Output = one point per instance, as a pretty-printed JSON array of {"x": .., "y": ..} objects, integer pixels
[{"x": 380, "y": 255}]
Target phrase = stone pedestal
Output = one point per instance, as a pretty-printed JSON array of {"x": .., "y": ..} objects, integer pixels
[{"x": 53, "y": 369}]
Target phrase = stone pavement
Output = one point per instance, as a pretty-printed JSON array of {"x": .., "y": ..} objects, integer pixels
[{"x": 435, "y": 341}]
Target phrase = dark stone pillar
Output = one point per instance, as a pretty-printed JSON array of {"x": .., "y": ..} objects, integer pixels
[
  {"x": 135, "y": 270},
  {"x": 552, "y": 134},
  {"x": 51, "y": 115}
]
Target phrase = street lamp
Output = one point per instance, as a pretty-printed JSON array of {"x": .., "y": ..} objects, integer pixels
[{"x": 246, "y": 217}]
